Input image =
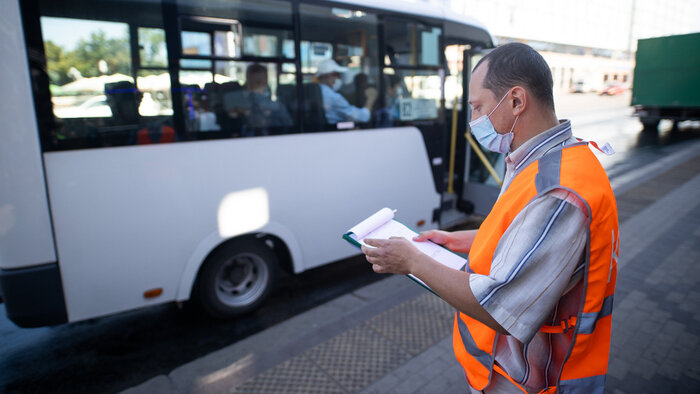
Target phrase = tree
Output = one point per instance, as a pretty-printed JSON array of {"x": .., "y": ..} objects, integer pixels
[{"x": 86, "y": 56}]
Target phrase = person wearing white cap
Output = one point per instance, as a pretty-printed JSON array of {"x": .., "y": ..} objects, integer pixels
[{"x": 336, "y": 107}]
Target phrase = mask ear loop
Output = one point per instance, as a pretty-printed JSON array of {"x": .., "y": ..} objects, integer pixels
[
  {"x": 516, "y": 121},
  {"x": 499, "y": 103}
]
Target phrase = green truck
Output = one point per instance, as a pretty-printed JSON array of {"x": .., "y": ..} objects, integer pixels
[{"x": 666, "y": 82}]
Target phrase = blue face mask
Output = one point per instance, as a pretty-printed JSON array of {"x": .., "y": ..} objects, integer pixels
[{"x": 486, "y": 134}]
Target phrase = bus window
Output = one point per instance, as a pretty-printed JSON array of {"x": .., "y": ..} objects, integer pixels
[
  {"x": 411, "y": 44},
  {"x": 410, "y": 95},
  {"x": 245, "y": 99},
  {"x": 349, "y": 39},
  {"x": 152, "y": 50},
  {"x": 268, "y": 42},
  {"x": 102, "y": 93},
  {"x": 413, "y": 76},
  {"x": 237, "y": 68}
]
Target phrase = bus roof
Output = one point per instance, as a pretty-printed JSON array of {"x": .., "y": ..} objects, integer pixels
[{"x": 458, "y": 27}]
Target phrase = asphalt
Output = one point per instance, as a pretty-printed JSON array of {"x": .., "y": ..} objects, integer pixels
[{"x": 394, "y": 337}]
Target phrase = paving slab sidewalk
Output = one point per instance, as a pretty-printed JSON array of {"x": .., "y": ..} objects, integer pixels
[{"x": 394, "y": 337}]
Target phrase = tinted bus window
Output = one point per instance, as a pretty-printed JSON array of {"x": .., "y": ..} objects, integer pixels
[
  {"x": 413, "y": 76},
  {"x": 348, "y": 38},
  {"x": 411, "y": 44},
  {"x": 103, "y": 93},
  {"x": 237, "y": 68},
  {"x": 413, "y": 94}
]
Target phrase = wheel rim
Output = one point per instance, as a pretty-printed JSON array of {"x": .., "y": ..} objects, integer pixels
[{"x": 242, "y": 280}]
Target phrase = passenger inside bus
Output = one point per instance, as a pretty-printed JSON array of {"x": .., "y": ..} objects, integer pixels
[
  {"x": 260, "y": 114},
  {"x": 124, "y": 99},
  {"x": 336, "y": 107},
  {"x": 387, "y": 114},
  {"x": 354, "y": 92}
]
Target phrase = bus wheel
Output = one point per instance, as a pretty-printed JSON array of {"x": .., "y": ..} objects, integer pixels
[{"x": 236, "y": 278}]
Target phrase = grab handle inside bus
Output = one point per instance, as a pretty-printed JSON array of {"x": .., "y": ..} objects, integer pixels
[{"x": 483, "y": 158}]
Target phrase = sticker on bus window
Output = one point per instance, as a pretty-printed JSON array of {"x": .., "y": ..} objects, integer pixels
[{"x": 417, "y": 108}]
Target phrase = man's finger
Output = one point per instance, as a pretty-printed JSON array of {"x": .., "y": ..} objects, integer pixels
[
  {"x": 374, "y": 242},
  {"x": 423, "y": 236}
]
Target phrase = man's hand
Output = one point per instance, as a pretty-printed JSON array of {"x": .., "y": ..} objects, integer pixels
[
  {"x": 391, "y": 256},
  {"x": 458, "y": 241},
  {"x": 398, "y": 256}
]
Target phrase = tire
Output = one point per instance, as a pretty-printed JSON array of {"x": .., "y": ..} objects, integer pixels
[
  {"x": 651, "y": 124},
  {"x": 236, "y": 278}
]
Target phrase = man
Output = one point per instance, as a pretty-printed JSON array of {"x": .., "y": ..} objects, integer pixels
[
  {"x": 534, "y": 304},
  {"x": 262, "y": 115},
  {"x": 335, "y": 106},
  {"x": 124, "y": 100}
]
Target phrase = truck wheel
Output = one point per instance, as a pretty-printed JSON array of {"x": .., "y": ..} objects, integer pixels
[
  {"x": 650, "y": 124},
  {"x": 236, "y": 278}
]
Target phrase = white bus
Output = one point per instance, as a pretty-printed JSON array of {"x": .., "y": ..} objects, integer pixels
[{"x": 139, "y": 165}]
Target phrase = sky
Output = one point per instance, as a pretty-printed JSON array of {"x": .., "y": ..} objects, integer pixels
[
  {"x": 66, "y": 32},
  {"x": 592, "y": 23}
]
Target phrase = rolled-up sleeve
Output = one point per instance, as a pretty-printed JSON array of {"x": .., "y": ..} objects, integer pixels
[{"x": 533, "y": 263}]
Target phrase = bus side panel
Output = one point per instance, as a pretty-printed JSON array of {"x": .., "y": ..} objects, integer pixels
[
  {"x": 25, "y": 226},
  {"x": 128, "y": 219}
]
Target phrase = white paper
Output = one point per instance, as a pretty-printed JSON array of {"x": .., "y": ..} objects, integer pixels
[
  {"x": 392, "y": 228},
  {"x": 373, "y": 222}
]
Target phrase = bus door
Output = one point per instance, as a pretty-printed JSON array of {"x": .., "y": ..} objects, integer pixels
[
  {"x": 483, "y": 170},
  {"x": 413, "y": 80},
  {"x": 471, "y": 187}
]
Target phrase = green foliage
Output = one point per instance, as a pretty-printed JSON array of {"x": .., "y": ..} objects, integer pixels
[
  {"x": 86, "y": 57},
  {"x": 152, "y": 44}
]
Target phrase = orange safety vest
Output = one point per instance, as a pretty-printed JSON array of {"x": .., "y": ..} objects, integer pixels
[
  {"x": 576, "y": 169},
  {"x": 166, "y": 134}
]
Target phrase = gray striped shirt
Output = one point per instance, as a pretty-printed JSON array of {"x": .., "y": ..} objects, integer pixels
[{"x": 536, "y": 264}]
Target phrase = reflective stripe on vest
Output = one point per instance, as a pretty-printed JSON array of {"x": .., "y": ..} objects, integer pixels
[
  {"x": 589, "y": 385},
  {"x": 588, "y": 320},
  {"x": 573, "y": 168}
]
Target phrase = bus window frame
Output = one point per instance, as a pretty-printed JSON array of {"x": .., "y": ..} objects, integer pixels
[
  {"x": 205, "y": 24},
  {"x": 172, "y": 27},
  {"x": 34, "y": 42},
  {"x": 440, "y": 69}
]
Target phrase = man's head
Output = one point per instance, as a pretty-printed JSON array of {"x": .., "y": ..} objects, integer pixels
[
  {"x": 329, "y": 71},
  {"x": 124, "y": 100},
  {"x": 518, "y": 75},
  {"x": 256, "y": 78},
  {"x": 517, "y": 64}
]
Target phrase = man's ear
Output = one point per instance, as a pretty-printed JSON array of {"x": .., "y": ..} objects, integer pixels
[{"x": 519, "y": 100}]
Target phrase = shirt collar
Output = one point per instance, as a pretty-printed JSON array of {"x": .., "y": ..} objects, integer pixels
[{"x": 537, "y": 146}]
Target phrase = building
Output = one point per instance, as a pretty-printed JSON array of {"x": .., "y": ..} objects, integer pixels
[{"x": 588, "y": 44}]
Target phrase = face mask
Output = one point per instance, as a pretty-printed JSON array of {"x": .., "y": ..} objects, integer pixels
[
  {"x": 337, "y": 84},
  {"x": 486, "y": 134}
]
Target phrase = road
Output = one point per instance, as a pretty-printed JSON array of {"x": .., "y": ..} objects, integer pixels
[{"x": 116, "y": 352}]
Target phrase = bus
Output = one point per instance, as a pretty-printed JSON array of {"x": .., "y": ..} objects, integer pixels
[{"x": 161, "y": 151}]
